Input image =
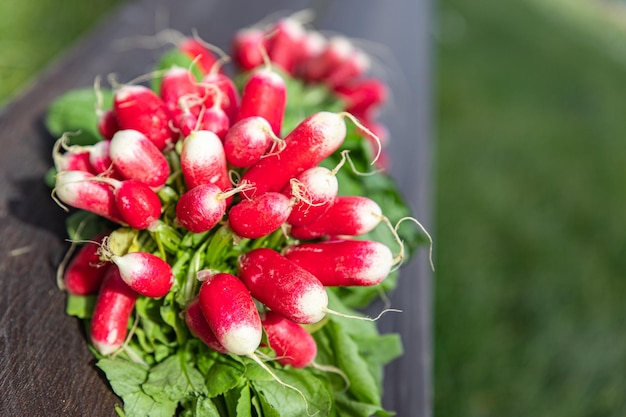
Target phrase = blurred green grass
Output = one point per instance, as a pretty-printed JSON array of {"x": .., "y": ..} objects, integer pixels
[
  {"x": 530, "y": 313},
  {"x": 34, "y": 32}
]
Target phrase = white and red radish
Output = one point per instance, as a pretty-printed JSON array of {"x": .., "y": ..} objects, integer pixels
[
  {"x": 201, "y": 208},
  {"x": 73, "y": 161},
  {"x": 284, "y": 44},
  {"x": 85, "y": 272},
  {"x": 353, "y": 67},
  {"x": 139, "y": 108},
  {"x": 197, "y": 324},
  {"x": 348, "y": 215},
  {"x": 259, "y": 216},
  {"x": 229, "y": 97},
  {"x": 108, "y": 124},
  {"x": 264, "y": 94},
  {"x": 180, "y": 91},
  {"x": 203, "y": 161},
  {"x": 145, "y": 273},
  {"x": 139, "y": 206},
  {"x": 79, "y": 190},
  {"x": 344, "y": 262},
  {"x": 362, "y": 96},
  {"x": 248, "y": 140},
  {"x": 337, "y": 50},
  {"x": 231, "y": 313},
  {"x": 312, "y": 45},
  {"x": 283, "y": 286},
  {"x": 248, "y": 48},
  {"x": 292, "y": 343},
  {"x": 309, "y": 143},
  {"x": 135, "y": 157},
  {"x": 315, "y": 190},
  {"x": 112, "y": 312},
  {"x": 198, "y": 53},
  {"x": 100, "y": 159},
  {"x": 214, "y": 119}
]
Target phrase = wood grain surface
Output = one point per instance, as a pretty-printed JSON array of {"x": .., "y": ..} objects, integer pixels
[{"x": 46, "y": 368}]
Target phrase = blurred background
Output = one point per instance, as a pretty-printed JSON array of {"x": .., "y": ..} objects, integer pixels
[{"x": 530, "y": 157}]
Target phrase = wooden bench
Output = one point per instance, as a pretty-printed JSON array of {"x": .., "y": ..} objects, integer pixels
[{"x": 46, "y": 368}]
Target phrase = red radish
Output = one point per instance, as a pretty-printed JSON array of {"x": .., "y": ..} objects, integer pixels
[
  {"x": 229, "y": 97},
  {"x": 99, "y": 156},
  {"x": 264, "y": 94},
  {"x": 283, "y": 286},
  {"x": 199, "y": 53},
  {"x": 203, "y": 161},
  {"x": 214, "y": 119},
  {"x": 179, "y": 84},
  {"x": 363, "y": 96},
  {"x": 248, "y": 46},
  {"x": 312, "y": 141},
  {"x": 248, "y": 140},
  {"x": 285, "y": 44},
  {"x": 85, "y": 272},
  {"x": 201, "y": 208},
  {"x": 73, "y": 161},
  {"x": 145, "y": 273},
  {"x": 139, "y": 206},
  {"x": 112, "y": 312},
  {"x": 352, "y": 68},
  {"x": 139, "y": 108},
  {"x": 135, "y": 157},
  {"x": 312, "y": 45},
  {"x": 108, "y": 124},
  {"x": 79, "y": 190},
  {"x": 231, "y": 313},
  {"x": 344, "y": 262},
  {"x": 337, "y": 50},
  {"x": 315, "y": 190},
  {"x": 348, "y": 215},
  {"x": 197, "y": 324},
  {"x": 260, "y": 216},
  {"x": 292, "y": 343}
]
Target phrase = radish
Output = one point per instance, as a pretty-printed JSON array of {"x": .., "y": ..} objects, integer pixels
[
  {"x": 231, "y": 314},
  {"x": 348, "y": 215},
  {"x": 198, "y": 53},
  {"x": 77, "y": 189},
  {"x": 283, "y": 286},
  {"x": 248, "y": 140},
  {"x": 312, "y": 45},
  {"x": 75, "y": 158},
  {"x": 285, "y": 43},
  {"x": 229, "y": 97},
  {"x": 315, "y": 190},
  {"x": 354, "y": 66},
  {"x": 362, "y": 96},
  {"x": 292, "y": 343},
  {"x": 145, "y": 273},
  {"x": 179, "y": 84},
  {"x": 248, "y": 46},
  {"x": 344, "y": 262},
  {"x": 111, "y": 314},
  {"x": 139, "y": 108},
  {"x": 85, "y": 271},
  {"x": 202, "y": 207},
  {"x": 214, "y": 119},
  {"x": 100, "y": 159},
  {"x": 197, "y": 324},
  {"x": 312, "y": 141},
  {"x": 259, "y": 216},
  {"x": 203, "y": 161},
  {"x": 264, "y": 94},
  {"x": 139, "y": 206},
  {"x": 337, "y": 50},
  {"x": 108, "y": 124},
  {"x": 135, "y": 157}
]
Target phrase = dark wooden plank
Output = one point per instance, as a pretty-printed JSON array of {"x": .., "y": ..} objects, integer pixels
[{"x": 45, "y": 366}]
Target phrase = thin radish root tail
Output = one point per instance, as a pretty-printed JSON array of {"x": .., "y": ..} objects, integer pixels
[
  {"x": 278, "y": 144},
  {"x": 345, "y": 157},
  {"x": 368, "y": 132},
  {"x": 301, "y": 193},
  {"x": 163, "y": 37},
  {"x": 208, "y": 45},
  {"x": 284, "y": 384},
  {"x": 397, "y": 261},
  {"x": 335, "y": 370},
  {"x": 423, "y": 229},
  {"x": 243, "y": 186},
  {"x": 98, "y": 92},
  {"x": 364, "y": 318}
]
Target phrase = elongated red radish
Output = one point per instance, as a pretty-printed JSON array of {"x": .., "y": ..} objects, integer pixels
[
  {"x": 214, "y": 119},
  {"x": 145, "y": 273},
  {"x": 247, "y": 46},
  {"x": 363, "y": 96},
  {"x": 292, "y": 343},
  {"x": 309, "y": 143},
  {"x": 139, "y": 108},
  {"x": 259, "y": 216},
  {"x": 79, "y": 190},
  {"x": 248, "y": 140},
  {"x": 336, "y": 51},
  {"x": 135, "y": 157},
  {"x": 231, "y": 313},
  {"x": 315, "y": 190},
  {"x": 354, "y": 66},
  {"x": 283, "y": 286},
  {"x": 179, "y": 84},
  {"x": 139, "y": 206},
  {"x": 108, "y": 124},
  {"x": 197, "y": 324},
  {"x": 348, "y": 215},
  {"x": 201, "y": 208},
  {"x": 73, "y": 161},
  {"x": 203, "y": 161},
  {"x": 312, "y": 45},
  {"x": 100, "y": 159},
  {"x": 264, "y": 94},
  {"x": 85, "y": 272},
  {"x": 112, "y": 312},
  {"x": 229, "y": 100},
  {"x": 285, "y": 43},
  {"x": 344, "y": 262},
  {"x": 199, "y": 53}
]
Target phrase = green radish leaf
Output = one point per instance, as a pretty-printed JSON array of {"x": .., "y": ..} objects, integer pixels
[
  {"x": 244, "y": 406},
  {"x": 224, "y": 376},
  {"x": 173, "y": 378},
  {"x": 82, "y": 225},
  {"x": 349, "y": 407},
  {"x": 80, "y": 306},
  {"x": 75, "y": 112}
]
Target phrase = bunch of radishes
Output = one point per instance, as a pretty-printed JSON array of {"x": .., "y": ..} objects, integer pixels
[{"x": 200, "y": 156}]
